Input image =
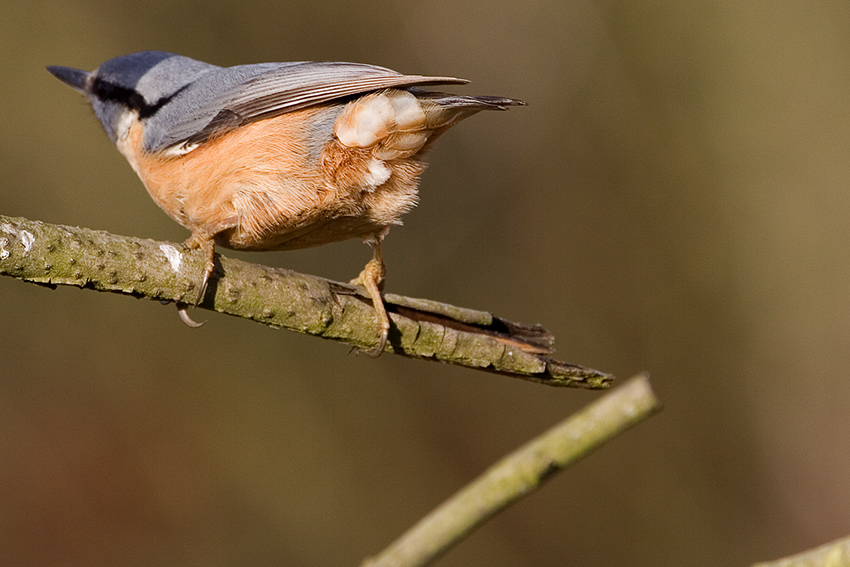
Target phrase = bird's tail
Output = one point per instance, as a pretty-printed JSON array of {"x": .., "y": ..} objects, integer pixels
[
  {"x": 482, "y": 102},
  {"x": 399, "y": 123}
]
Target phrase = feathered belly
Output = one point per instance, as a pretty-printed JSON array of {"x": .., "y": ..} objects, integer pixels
[
  {"x": 284, "y": 183},
  {"x": 305, "y": 215}
]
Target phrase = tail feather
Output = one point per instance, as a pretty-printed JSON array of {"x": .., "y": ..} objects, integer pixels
[
  {"x": 481, "y": 102},
  {"x": 399, "y": 123}
]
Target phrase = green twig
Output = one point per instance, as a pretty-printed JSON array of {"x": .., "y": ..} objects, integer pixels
[
  {"x": 60, "y": 255},
  {"x": 520, "y": 473},
  {"x": 835, "y": 554}
]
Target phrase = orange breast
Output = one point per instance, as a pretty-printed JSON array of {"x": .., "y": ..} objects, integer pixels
[{"x": 279, "y": 183}]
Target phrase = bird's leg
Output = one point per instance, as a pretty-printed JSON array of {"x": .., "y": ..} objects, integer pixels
[
  {"x": 205, "y": 242},
  {"x": 201, "y": 240},
  {"x": 372, "y": 278}
]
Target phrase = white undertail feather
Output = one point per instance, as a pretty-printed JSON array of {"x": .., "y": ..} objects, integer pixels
[
  {"x": 393, "y": 123},
  {"x": 377, "y": 175}
]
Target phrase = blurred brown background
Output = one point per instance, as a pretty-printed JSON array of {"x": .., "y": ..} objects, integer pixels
[{"x": 673, "y": 199}]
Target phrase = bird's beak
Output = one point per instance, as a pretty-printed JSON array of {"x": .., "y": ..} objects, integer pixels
[{"x": 74, "y": 78}]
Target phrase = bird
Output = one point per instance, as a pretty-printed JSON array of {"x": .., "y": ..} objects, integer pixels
[{"x": 276, "y": 156}]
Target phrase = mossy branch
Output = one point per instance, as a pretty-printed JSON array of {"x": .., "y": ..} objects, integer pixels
[
  {"x": 53, "y": 255},
  {"x": 834, "y": 554},
  {"x": 521, "y": 473}
]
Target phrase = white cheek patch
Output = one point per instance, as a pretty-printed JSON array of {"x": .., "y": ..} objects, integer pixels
[
  {"x": 124, "y": 140},
  {"x": 123, "y": 125}
]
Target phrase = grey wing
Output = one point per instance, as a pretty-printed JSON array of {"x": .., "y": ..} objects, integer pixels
[
  {"x": 307, "y": 84},
  {"x": 226, "y": 98}
]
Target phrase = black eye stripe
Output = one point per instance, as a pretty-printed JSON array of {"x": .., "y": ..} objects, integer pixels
[{"x": 106, "y": 91}]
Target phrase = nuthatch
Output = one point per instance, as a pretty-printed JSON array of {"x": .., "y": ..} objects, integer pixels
[{"x": 275, "y": 156}]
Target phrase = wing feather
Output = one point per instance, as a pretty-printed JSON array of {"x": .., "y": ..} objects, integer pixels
[{"x": 226, "y": 98}]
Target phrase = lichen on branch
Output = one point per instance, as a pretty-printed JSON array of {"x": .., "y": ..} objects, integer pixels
[{"x": 52, "y": 255}]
